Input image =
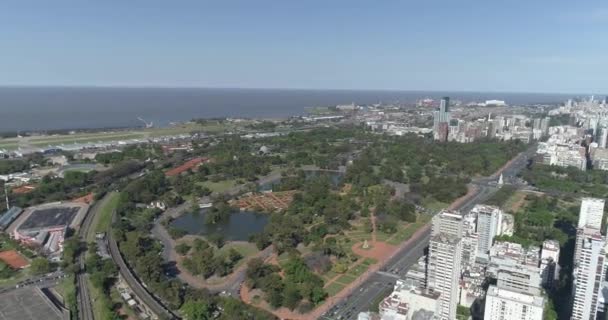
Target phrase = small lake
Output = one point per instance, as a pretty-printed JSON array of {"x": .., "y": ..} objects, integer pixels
[
  {"x": 335, "y": 177},
  {"x": 239, "y": 227}
]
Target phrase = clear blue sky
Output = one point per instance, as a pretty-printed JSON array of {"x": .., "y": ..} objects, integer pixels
[{"x": 488, "y": 45}]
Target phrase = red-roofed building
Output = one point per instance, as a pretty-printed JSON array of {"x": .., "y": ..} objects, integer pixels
[{"x": 190, "y": 164}]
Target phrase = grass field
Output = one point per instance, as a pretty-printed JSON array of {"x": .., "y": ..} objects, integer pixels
[
  {"x": 433, "y": 204},
  {"x": 514, "y": 202},
  {"x": 334, "y": 288},
  {"x": 357, "y": 270},
  {"x": 210, "y": 127},
  {"x": 84, "y": 139},
  {"x": 405, "y": 233},
  {"x": 124, "y": 307},
  {"x": 8, "y": 145},
  {"x": 135, "y": 133},
  {"x": 346, "y": 279},
  {"x": 329, "y": 275},
  {"x": 67, "y": 289},
  {"x": 19, "y": 276},
  {"x": 246, "y": 249},
  {"x": 381, "y": 236},
  {"x": 98, "y": 300},
  {"x": 42, "y": 141},
  {"x": 103, "y": 220}
]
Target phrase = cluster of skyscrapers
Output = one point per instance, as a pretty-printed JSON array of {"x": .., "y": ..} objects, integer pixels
[
  {"x": 518, "y": 126},
  {"x": 463, "y": 255}
]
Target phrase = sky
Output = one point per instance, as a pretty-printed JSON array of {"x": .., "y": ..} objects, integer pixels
[{"x": 553, "y": 46}]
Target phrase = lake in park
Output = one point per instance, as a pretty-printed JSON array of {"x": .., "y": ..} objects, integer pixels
[{"x": 239, "y": 227}]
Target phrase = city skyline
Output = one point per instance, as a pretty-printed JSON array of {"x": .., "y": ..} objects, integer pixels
[{"x": 477, "y": 46}]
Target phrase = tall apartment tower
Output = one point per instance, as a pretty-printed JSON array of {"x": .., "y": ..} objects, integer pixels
[
  {"x": 489, "y": 223},
  {"x": 536, "y": 123},
  {"x": 444, "y": 261},
  {"x": 603, "y": 138},
  {"x": 449, "y": 222},
  {"x": 544, "y": 125},
  {"x": 591, "y": 213},
  {"x": 588, "y": 273},
  {"x": 444, "y": 109},
  {"x": 441, "y": 120}
]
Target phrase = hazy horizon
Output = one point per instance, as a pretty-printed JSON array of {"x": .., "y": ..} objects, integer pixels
[{"x": 573, "y": 94}]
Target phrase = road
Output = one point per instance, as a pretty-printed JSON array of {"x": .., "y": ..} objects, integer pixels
[
  {"x": 382, "y": 281},
  {"x": 43, "y": 281}
]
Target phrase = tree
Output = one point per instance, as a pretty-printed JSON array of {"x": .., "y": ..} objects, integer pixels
[
  {"x": 196, "y": 310},
  {"x": 216, "y": 239},
  {"x": 176, "y": 233},
  {"x": 234, "y": 255},
  {"x": 291, "y": 296},
  {"x": 40, "y": 266},
  {"x": 182, "y": 248}
]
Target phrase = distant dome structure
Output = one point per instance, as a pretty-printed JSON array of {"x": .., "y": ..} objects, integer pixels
[{"x": 264, "y": 150}]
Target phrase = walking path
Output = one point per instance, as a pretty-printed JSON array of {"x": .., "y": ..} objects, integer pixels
[{"x": 227, "y": 283}]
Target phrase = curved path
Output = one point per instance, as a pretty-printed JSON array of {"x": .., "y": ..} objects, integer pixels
[{"x": 231, "y": 283}]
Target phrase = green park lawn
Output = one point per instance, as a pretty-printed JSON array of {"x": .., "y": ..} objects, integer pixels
[
  {"x": 346, "y": 279},
  {"x": 433, "y": 204},
  {"x": 103, "y": 220},
  {"x": 334, "y": 288},
  {"x": 244, "y": 248},
  {"x": 405, "y": 233}
]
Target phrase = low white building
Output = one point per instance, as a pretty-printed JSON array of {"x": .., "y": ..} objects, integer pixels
[
  {"x": 408, "y": 302},
  {"x": 504, "y": 304}
]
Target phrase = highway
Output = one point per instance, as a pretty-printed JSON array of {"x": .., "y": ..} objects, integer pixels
[{"x": 384, "y": 280}]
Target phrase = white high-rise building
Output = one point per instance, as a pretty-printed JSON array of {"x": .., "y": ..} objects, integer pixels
[
  {"x": 603, "y": 139},
  {"x": 445, "y": 260},
  {"x": 591, "y": 213},
  {"x": 449, "y": 222},
  {"x": 469, "y": 242},
  {"x": 444, "y": 268},
  {"x": 503, "y": 304},
  {"x": 544, "y": 125},
  {"x": 589, "y": 270},
  {"x": 489, "y": 225}
]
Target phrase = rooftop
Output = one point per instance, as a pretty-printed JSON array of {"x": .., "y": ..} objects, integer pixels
[
  {"x": 519, "y": 297},
  {"x": 516, "y": 253},
  {"x": 29, "y": 304}
]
